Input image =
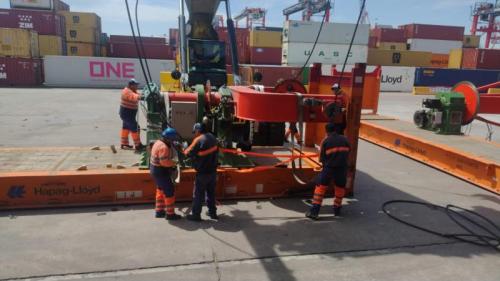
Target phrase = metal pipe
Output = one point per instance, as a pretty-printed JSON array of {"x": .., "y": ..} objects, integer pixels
[
  {"x": 182, "y": 46},
  {"x": 486, "y": 87}
]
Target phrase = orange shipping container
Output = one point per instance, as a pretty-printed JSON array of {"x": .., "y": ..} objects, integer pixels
[
  {"x": 455, "y": 60},
  {"x": 81, "y": 49},
  {"x": 440, "y": 60}
]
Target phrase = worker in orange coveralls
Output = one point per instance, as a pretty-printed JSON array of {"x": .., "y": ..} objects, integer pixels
[
  {"x": 334, "y": 157},
  {"x": 162, "y": 168},
  {"x": 128, "y": 113}
]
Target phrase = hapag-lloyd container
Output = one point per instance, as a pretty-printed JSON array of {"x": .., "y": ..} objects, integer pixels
[
  {"x": 298, "y": 53},
  {"x": 95, "y": 72},
  {"x": 332, "y": 33},
  {"x": 434, "y": 46},
  {"x": 435, "y": 77},
  {"x": 20, "y": 72},
  {"x": 45, "y": 23},
  {"x": 437, "y": 32}
]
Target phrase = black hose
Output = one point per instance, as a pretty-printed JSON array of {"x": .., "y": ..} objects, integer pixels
[
  {"x": 140, "y": 40},
  {"x": 491, "y": 240},
  {"x": 352, "y": 42}
]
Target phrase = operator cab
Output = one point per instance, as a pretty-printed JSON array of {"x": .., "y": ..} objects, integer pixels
[{"x": 207, "y": 61}]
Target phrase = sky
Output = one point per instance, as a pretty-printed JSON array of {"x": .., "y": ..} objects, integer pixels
[{"x": 157, "y": 16}]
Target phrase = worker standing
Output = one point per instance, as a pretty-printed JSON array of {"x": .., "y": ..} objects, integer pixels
[
  {"x": 204, "y": 152},
  {"x": 162, "y": 167},
  {"x": 334, "y": 157},
  {"x": 128, "y": 113}
]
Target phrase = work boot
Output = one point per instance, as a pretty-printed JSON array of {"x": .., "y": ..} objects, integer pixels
[
  {"x": 336, "y": 210},
  {"x": 312, "y": 215},
  {"x": 173, "y": 217},
  {"x": 126, "y": 146},
  {"x": 160, "y": 214},
  {"x": 192, "y": 217},
  {"x": 213, "y": 215},
  {"x": 140, "y": 147}
]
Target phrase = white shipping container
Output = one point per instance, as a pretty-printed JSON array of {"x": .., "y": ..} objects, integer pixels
[
  {"x": 32, "y": 4},
  {"x": 434, "y": 46},
  {"x": 97, "y": 72},
  {"x": 297, "y": 53},
  {"x": 332, "y": 33}
]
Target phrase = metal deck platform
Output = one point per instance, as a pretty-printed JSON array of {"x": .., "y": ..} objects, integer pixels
[{"x": 468, "y": 158}]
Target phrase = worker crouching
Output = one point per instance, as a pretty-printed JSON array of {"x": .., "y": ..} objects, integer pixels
[
  {"x": 334, "y": 157},
  {"x": 162, "y": 167},
  {"x": 128, "y": 113},
  {"x": 204, "y": 152}
]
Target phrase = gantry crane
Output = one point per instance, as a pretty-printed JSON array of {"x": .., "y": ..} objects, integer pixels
[
  {"x": 484, "y": 20},
  {"x": 253, "y": 17},
  {"x": 309, "y": 8}
]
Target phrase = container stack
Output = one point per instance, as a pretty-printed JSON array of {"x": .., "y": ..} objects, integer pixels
[
  {"x": 121, "y": 46},
  {"x": 472, "y": 57},
  {"x": 265, "y": 45},
  {"x": 83, "y": 33},
  {"x": 332, "y": 45},
  {"x": 242, "y": 44}
]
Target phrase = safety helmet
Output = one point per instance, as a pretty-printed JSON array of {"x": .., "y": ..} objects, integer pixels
[
  {"x": 198, "y": 127},
  {"x": 169, "y": 133},
  {"x": 133, "y": 82}
]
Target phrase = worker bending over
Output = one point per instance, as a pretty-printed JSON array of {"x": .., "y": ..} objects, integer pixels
[
  {"x": 162, "y": 168},
  {"x": 334, "y": 157},
  {"x": 204, "y": 152},
  {"x": 128, "y": 113}
]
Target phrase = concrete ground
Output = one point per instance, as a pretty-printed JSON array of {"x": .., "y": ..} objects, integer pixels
[{"x": 254, "y": 240}]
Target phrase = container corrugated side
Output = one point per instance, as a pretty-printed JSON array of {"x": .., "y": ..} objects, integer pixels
[
  {"x": 297, "y": 53},
  {"x": 75, "y": 33},
  {"x": 434, "y": 77},
  {"x": 332, "y": 33},
  {"x": 399, "y": 58},
  {"x": 481, "y": 58},
  {"x": 16, "y": 42},
  {"x": 437, "y": 32},
  {"x": 56, "y": 5},
  {"x": 455, "y": 60},
  {"x": 395, "y": 46},
  {"x": 43, "y": 22},
  {"x": 50, "y": 45},
  {"x": 128, "y": 50},
  {"x": 471, "y": 41},
  {"x": 130, "y": 39},
  {"x": 389, "y": 35},
  {"x": 265, "y": 55},
  {"x": 265, "y": 39},
  {"x": 80, "y": 49},
  {"x": 63, "y": 71},
  {"x": 20, "y": 72},
  {"x": 81, "y": 19},
  {"x": 434, "y": 46}
]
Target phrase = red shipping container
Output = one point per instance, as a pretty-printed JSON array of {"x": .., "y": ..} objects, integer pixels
[
  {"x": 130, "y": 39},
  {"x": 269, "y": 56},
  {"x": 20, "y": 72},
  {"x": 372, "y": 42},
  {"x": 128, "y": 50},
  {"x": 242, "y": 44},
  {"x": 270, "y": 74},
  {"x": 389, "y": 35},
  {"x": 437, "y": 32},
  {"x": 481, "y": 58},
  {"x": 173, "y": 36},
  {"x": 43, "y": 22}
]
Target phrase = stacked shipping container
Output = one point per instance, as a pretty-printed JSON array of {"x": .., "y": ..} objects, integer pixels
[
  {"x": 124, "y": 47},
  {"x": 83, "y": 33},
  {"x": 332, "y": 45},
  {"x": 265, "y": 46},
  {"x": 242, "y": 44}
]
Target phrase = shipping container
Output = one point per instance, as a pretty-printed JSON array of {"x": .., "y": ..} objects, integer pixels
[
  {"x": 54, "y": 5},
  {"x": 433, "y": 46},
  {"x": 265, "y": 55},
  {"x": 61, "y": 71},
  {"x": 269, "y": 28},
  {"x": 481, "y": 58},
  {"x": 242, "y": 44},
  {"x": 440, "y": 60},
  {"x": 389, "y": 35},
  {"x": 81, "y": 49},
  {"x": 16, "y": 42},
  {"x": 272, "y": 74},
  {"x": 20, "y": 72},
  {"x": 173, "y": 37},
  {"x": 82, "y": 19},
  {"x": 394, "y": 46},
  {"x": 399, "y": 58},
  {"x": 433, "y": 77},
  {"x": 372, "y": 42},
  {"x": 265, "y": 39},
  {"x": 332, "y": 33},
  {"x": 82, "y": 34},
  {"x": 44, "y": 23},
  {"x": 471, "y": 41},
  {"x": 455, "y": 60},
  {"x": 298, "y": 53},
  {"x": 130, "y": 39},
  {"x": 50, "y": 45},
  {"x": 104, "y": 51},
  {"x": 436, "y": 32},
  {"x": 129, "y": 50}
]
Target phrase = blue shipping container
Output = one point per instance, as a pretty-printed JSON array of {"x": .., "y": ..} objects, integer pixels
[{"x": 436, "y": 77}]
